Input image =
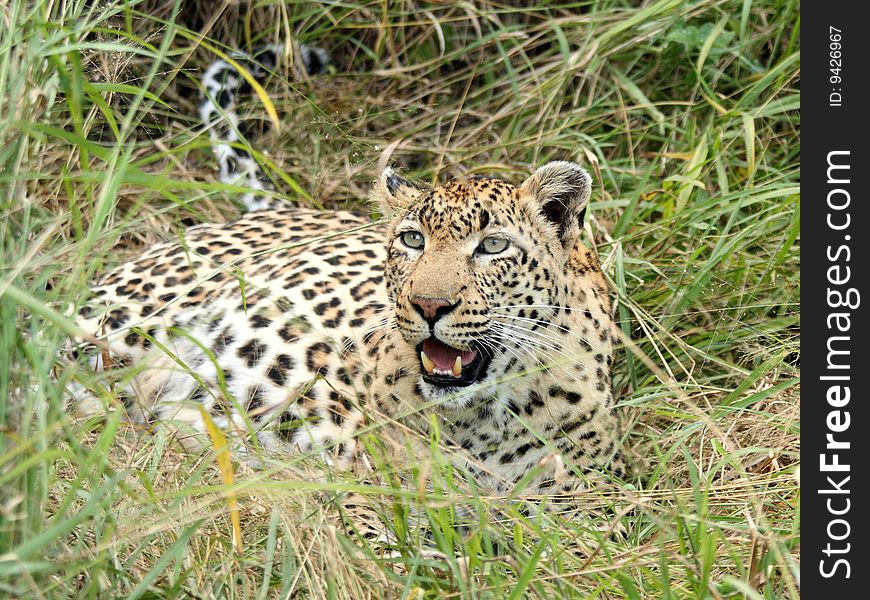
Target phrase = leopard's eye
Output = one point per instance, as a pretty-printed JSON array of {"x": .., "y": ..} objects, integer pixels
[
  {"x": 493, "y": 245},
  {"x": 413, "y": 240}
]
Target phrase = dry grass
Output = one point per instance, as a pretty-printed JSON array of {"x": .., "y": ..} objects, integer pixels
[{"x": 686, "y": 112}]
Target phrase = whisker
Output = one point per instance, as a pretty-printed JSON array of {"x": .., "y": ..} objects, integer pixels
[
  {"x": 552, "y": 306},
  {"x": 556, "y": 341},
  {"x": 523, "y": 344},
  {"x": 545, "y": 348},
  {"x": 522, "y": 335},
  {"x": 545, "y": 325}
]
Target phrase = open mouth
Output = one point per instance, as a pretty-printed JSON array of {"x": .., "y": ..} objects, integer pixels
[{"x": 445, "y": 366}]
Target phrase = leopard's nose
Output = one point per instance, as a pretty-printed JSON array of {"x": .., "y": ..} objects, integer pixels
[{"x": 432, "y": 309}]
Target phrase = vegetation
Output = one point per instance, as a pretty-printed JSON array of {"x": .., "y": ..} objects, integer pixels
[{"x": 687, "y": 113}]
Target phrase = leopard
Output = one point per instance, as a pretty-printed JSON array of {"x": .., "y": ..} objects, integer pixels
[
  {"x": 223, "y": 83},
  {"x": 471, "y": 309}
]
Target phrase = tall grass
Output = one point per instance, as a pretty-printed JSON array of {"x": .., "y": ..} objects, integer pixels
[{"x": 687, "y": 113}]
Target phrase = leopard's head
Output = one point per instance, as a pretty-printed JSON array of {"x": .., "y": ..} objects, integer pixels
[{"x": 474, "y": 270}]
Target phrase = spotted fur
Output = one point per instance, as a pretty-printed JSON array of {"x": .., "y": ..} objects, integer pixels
[
  {"x": 300, "y": 324},
  {"x": 292, "y": 328}
]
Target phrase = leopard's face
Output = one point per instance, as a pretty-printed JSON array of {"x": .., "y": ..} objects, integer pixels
[{"x": 476, "y": 270}]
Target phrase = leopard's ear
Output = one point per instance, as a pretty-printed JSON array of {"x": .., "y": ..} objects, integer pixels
[
  {"x": 391, "y": 193},
  {"x": 560, "y": 192}
]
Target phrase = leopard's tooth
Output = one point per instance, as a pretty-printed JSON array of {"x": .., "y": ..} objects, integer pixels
[
  {"x": 457, "y": 366},
  {"x": 427, "y": 362}
]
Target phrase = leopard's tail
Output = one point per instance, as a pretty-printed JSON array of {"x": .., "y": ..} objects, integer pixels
[{"x": 222, "y": 85}]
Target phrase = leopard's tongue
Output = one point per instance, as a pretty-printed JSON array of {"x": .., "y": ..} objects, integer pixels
[{"x": 443, "y": 357}]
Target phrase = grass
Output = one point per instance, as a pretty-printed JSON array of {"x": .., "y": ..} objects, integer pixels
[{"x": 687, "y": 113}]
